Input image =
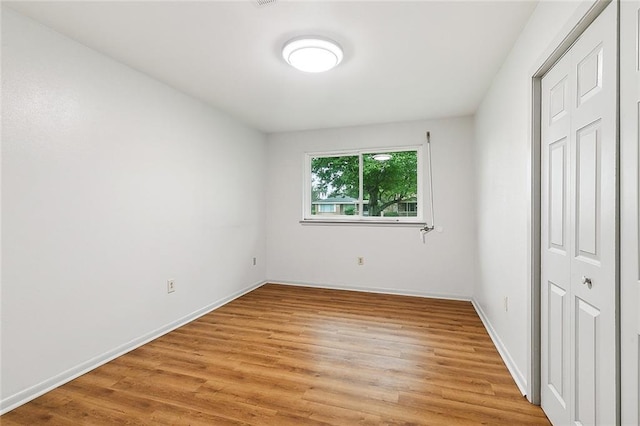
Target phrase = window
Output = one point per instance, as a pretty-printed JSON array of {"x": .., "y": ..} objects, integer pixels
[{"x": 368, "y": 185}]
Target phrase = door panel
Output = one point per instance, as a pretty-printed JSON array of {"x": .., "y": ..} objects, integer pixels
[
  {"x": 558, "y": 100},
  {"x": 555, "y": 317},
  {"x": 587, "y": 332},
  {"x": 558, "y": 374},
  {"x": 588, "y": 191},
  {"x": 594, "y": 272},
  {"x": 558, "y": 195},
  {"x": 589, "y": 75}
]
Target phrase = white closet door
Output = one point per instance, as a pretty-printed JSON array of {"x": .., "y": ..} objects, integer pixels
[
  {"x": 629, "y": 212},
  {"x": 579, "y": 230}
]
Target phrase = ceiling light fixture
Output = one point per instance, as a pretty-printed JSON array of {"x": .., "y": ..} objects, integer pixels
[
  {"x": 382, "y": 157},
  {"x": 312, "y": 54}
]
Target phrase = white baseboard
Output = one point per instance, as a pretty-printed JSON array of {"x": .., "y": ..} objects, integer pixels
[
  {"x": 399, "y": 292},
  {"x": 22, "y": 397},
  {"x": 517, "y": 375}
]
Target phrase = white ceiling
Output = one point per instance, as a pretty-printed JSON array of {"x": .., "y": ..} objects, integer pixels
[{"x": 403, "y": 60}]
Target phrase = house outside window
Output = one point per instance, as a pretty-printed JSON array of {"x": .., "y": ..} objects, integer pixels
[{"x": 335, "y": 205}]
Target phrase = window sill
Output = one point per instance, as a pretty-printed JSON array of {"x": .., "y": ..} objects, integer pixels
[{"x": 346, "y": 222}]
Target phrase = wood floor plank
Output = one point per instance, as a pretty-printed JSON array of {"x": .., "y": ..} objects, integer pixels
[{"x": 284, "y": 355}]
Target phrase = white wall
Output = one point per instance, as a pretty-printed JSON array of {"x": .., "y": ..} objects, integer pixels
[
  {"x": 112, "y": 183},
  {"x": 395, "y": 258},
  {"x": 502, "y": 179}
]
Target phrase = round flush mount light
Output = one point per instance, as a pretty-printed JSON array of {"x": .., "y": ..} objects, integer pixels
[
  {"x": 382, "y": 157},
  {"x": 312, "y": 54}
]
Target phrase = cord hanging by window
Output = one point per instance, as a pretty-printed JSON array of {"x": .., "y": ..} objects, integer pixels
[{"x": 426, "y": 229}]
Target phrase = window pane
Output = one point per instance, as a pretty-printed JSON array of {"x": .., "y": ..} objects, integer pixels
[
  {"x": 390, "y": 184},
  {"x": 335, "y": 185}
]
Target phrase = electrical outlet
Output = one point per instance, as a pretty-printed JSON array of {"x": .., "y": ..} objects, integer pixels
[
  {"x": 506, "y": 304},
  {"x": 255, "y": 261},
  {"x": 171, "y": 286},
  {"x": 360, "y": 261}
]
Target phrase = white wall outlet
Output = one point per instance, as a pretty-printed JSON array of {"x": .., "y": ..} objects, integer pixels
[
  {"x": 506, "y": 304},
  {"x": 255, "y": 261},
  {"x": 171, "y": 286},
  {"x": 360, "y": 260}
]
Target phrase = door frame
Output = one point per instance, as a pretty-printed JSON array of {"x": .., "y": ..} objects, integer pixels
[{"x": 585, "y": 14}]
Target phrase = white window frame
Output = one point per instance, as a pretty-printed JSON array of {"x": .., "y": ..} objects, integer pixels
[{"x": 308, "y": 218}]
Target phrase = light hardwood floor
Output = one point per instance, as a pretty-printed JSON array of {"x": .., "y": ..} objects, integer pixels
[{"x": 284, "y": 355}]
